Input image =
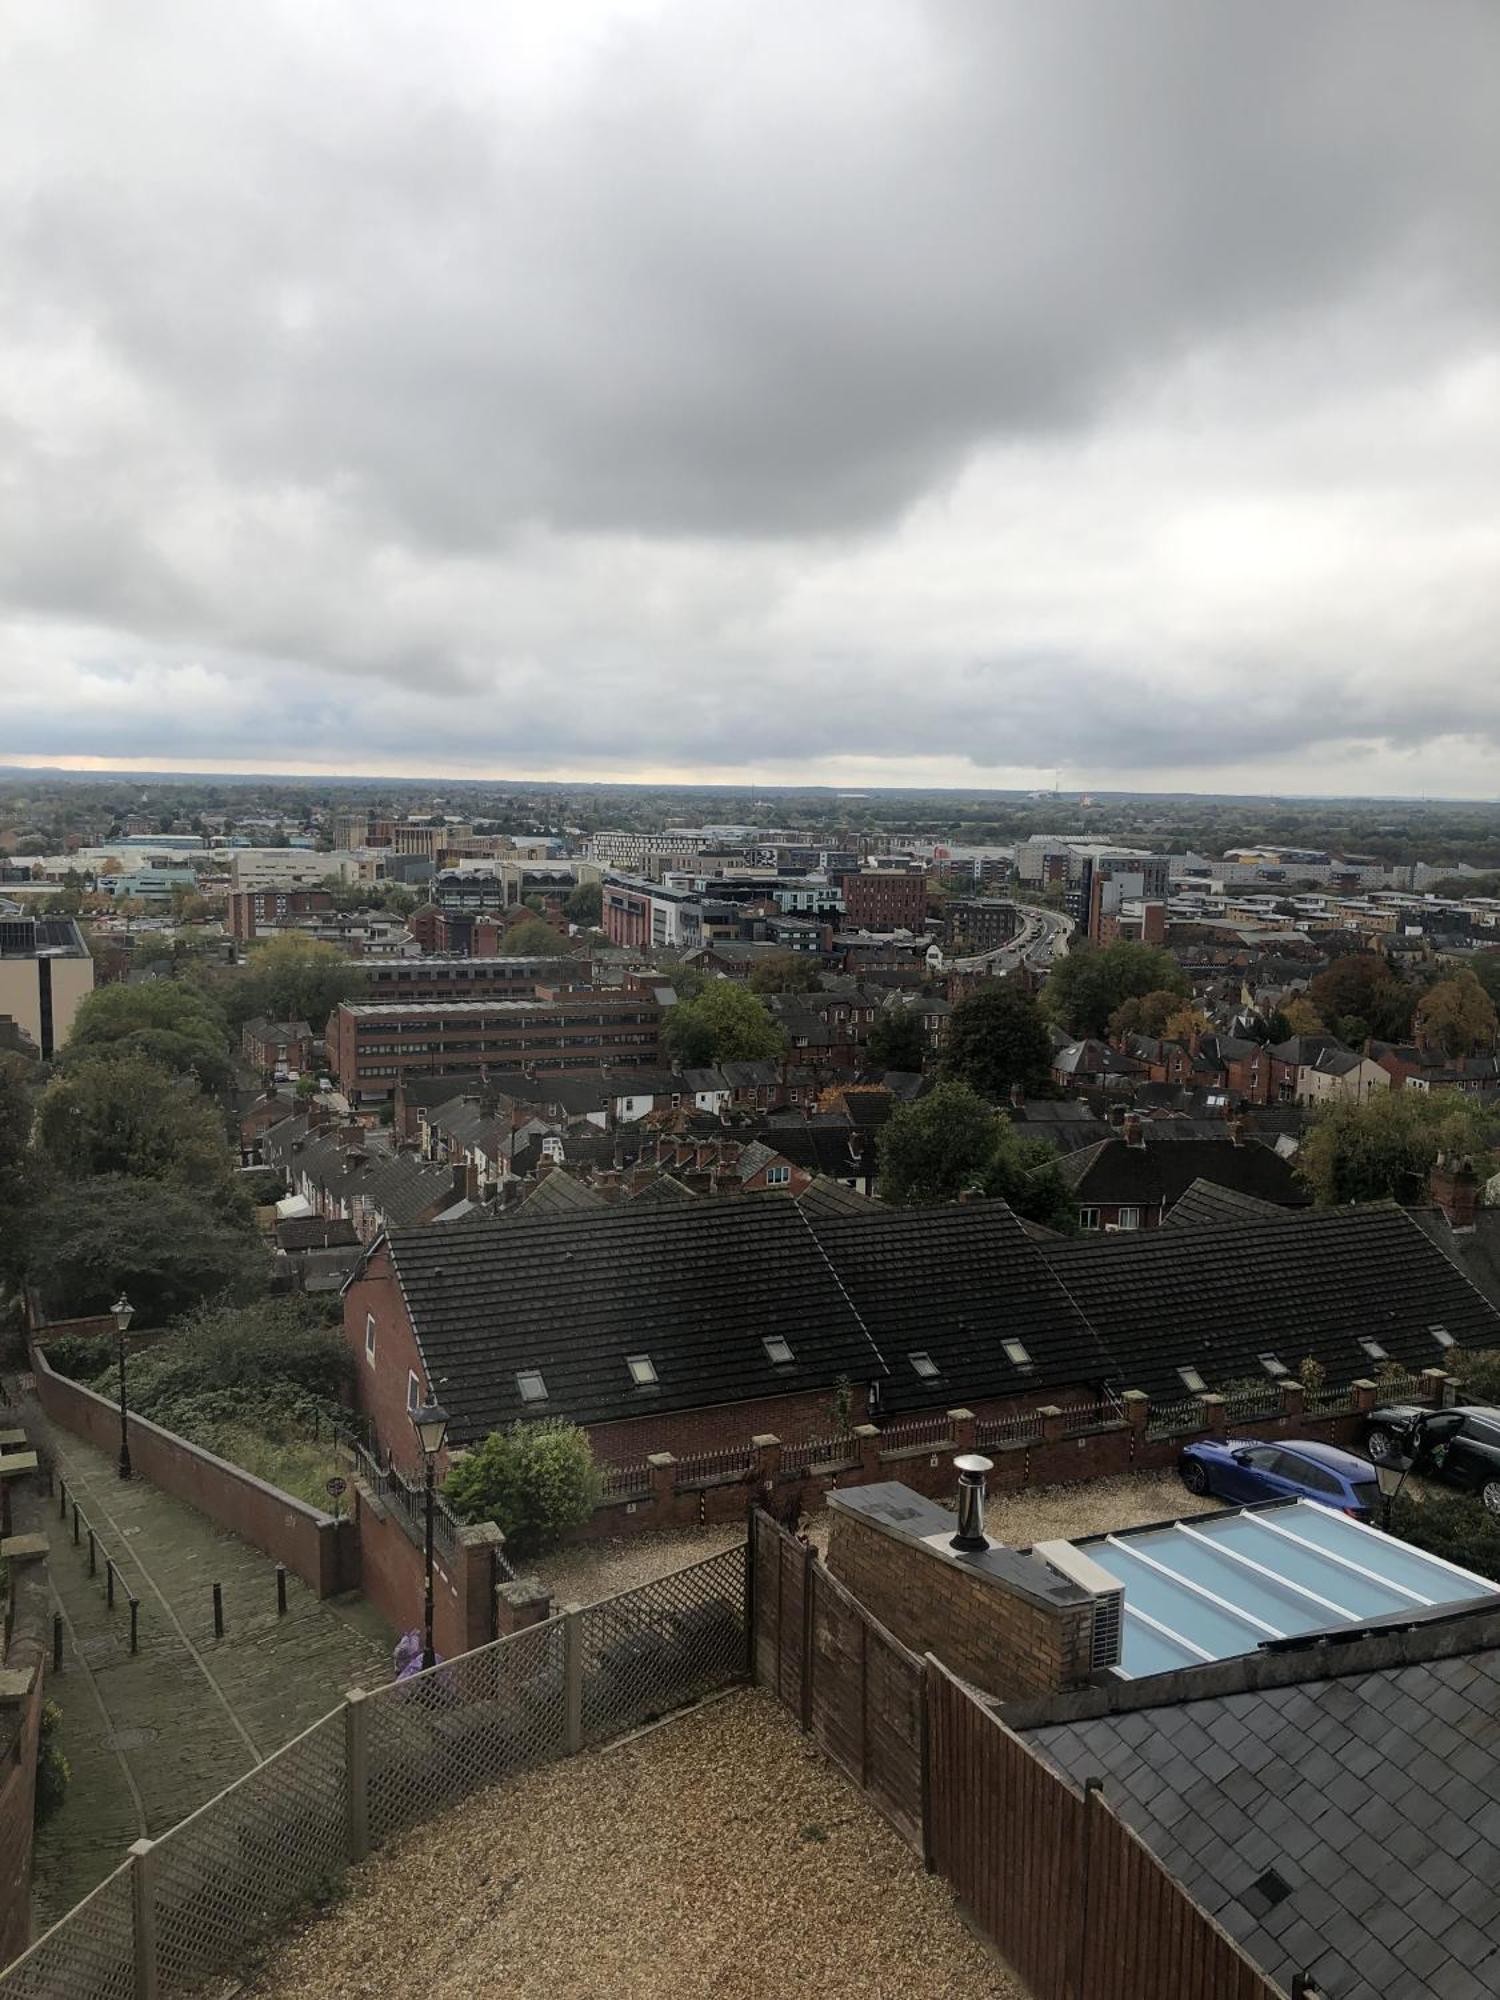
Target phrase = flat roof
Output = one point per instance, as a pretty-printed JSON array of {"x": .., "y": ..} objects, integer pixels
[
  {"x": 1226, "y": 1584},
  {"x": 588, "y": 997}
]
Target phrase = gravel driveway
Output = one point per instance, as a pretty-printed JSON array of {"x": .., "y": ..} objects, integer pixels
[{"x": 718, "y": 1857}]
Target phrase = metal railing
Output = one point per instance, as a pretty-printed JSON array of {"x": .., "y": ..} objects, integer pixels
[
  {"x": 193, "y": 1904},
  {"x": 1020, "y": 1429},
  {"x": 827, "y": 1453},
  {"x": 1251, "y": 1404},
  {"x": 1092, "y": 1413},
  {"x": 908, "y": 1432},
  {"x": 624, "y": 1482},
  {"x": 408, "y": 1501},
  {"x": 713, "y": 1468},
  {"x": 1168, "y": 1419}
]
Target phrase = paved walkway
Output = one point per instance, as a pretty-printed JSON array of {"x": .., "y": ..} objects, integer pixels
[{"x": 151, "y": 1736}]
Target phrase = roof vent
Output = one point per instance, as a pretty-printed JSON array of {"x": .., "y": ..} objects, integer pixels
[
  {"x": 971, "y": 1469},
  {"x": 1107, "y": 1637}
]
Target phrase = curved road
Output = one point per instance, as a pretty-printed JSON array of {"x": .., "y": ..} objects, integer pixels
[{"x": 1042, "y": 937}]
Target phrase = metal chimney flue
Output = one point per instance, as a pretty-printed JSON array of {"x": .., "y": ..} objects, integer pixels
[{"x": 971, "y": 1471}]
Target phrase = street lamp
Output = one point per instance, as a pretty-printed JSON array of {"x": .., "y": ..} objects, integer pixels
[
  {"x": 430, "y": 1422},
  {"x": 124, "y": 1313}
]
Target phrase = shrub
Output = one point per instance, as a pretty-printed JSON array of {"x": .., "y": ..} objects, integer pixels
[
  {"x": 1454, "y": 1526},
  {"x": 1479, "y": 1374},
  {"x": 52, "y": 1770},
  {"x": 535, "y": 1480}
]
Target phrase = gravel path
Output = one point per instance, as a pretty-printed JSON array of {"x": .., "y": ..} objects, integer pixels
[{"x": 719, "y": 1857}]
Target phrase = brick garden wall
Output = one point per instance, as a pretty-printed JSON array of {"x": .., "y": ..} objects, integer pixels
[
  {"x": 20, "y": 1720},
  {"x": 322, "y": 1551}
]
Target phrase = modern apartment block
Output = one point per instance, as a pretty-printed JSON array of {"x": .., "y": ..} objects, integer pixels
[
  {"x": 371, "y": 1045},
  {"x": 45, "y": 971},
  {"x": 886, "y": 899}
]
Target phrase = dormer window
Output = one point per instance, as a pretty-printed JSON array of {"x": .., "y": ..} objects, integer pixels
[
  {"x": 1274, "y": 1366},
  {"x": 1016, "y": 1354},
  {"x": 1373, "y": 1348},
  {"x": 531, "y": 1386},
  {"x": 924, "y": 1364},
  {"x": 1441, "y": 1335},
  {"x": 1192, "y": 1381},
  {"x": 778, "y": 1353},
  {"x": 642, "y": 1370}
]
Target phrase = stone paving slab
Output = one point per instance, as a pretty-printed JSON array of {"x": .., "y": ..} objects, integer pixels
[{"x": 152, "y": 1736}]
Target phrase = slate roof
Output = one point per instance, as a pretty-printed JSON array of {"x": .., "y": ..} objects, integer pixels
[
  {"x": 557, "y": 1193},
  {"x": 666, "y": 1191},
  {"x": 313, "y": 1232},
  {"x": 1475, "y": 1251},
  {"x": 1157, "y": 1174},
  {"x": 1204, "y": 1202},
  {"x": 831, "y": 1150},
  {"x": 1306, "y": 1282},
  {"x": 822, "y": 1196},
  {"x": 1375, "y": 1798}
]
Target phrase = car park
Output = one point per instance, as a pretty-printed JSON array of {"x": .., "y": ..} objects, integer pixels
[
  {"x": 1461, "y": 1447},
  {"x": 1248, "y": 1470}
]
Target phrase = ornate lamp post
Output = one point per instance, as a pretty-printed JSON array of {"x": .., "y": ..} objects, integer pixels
[
  {"x": 430, "y": 1423},
  {"x": 1390, "y": 1476},
  {"x": 124, "y": 1313}
]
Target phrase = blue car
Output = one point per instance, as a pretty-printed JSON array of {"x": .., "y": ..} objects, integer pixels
[{"x": 1247, "y": 1469}]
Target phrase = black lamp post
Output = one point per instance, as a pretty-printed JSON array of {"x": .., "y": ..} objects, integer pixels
[
  {"x": 1390, "y": 1476},
  {"x": 430, "y": 1423},
  {"x": 124, "y": 1313}
]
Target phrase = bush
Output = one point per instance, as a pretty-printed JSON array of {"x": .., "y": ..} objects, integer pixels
[
  {"x": 52, "y": 1770},
  {"x": 535, "y": 1481},
  {"x": 1454, "y": 1526}
]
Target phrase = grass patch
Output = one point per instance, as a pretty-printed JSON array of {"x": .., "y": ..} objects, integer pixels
[{"x": 296, "y": 1465}]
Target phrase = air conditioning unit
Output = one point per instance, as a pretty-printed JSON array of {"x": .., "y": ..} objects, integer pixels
[{"x": 1108, "y": 1634}]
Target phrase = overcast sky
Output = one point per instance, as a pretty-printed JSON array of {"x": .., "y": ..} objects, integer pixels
[{"x": 856, "y": 392}]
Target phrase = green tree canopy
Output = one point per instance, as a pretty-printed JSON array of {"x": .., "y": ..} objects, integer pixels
[
  {"x": 932, "y": 1150},
  {"x": 1028, "y": 1174},
  {"x": 1384, "y": 1149},
  {"x": 1456, "y": 1015},
  {"x": 1086, "y": 987},
  {"x": 534, "y": 937},
  {"x": 128, "y": 1115},
  {"x": 160, "y": 1243},
  {"x": 535, "y": 1481},
  {"x": 291, "y": 978},
  {"x": 585, "y": 906},
  {"x": 19, "y": 1180},
  {"x": 786, "y": 972},
  {"x": 897, "y": 1041},
  {"x": 724, "y": 1023},
  {"x": 1144, "y": 1014},
  {"x": 997, "y": 1037},
  {"x": 176, "y": 1026},
  {"x": 1360, "y": 989}
]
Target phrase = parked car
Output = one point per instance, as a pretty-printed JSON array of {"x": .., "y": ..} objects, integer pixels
[
  {"x": 1247, "y": 1469},
  {"x": 1461, "y": 1447}
]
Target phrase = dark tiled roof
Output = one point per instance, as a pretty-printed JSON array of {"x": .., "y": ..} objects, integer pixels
[
  {"x": 1308, "y": 1282},
  {"x": 1158, "y": 1173},
  {"x": 1373, "y": 1798},
  {"x": 558, "y": 1193},
  {"x": 1204, "y": 1202},
  {"x": 825, "y": 1197},
  {"x": 1475, "y": 1251},
  {"x": 312, "y": 1232},
  {"x": 666, "y": 1191}
]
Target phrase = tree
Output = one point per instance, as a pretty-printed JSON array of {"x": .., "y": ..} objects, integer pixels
[
  {"x": 1383, "y": 1150},
  {"x": 173, "y": 1025},
  {"x": 1361, "y": 989},
  {"x": 725, "y": 1023},
  {"x": 896, "y": 1041},
  {"x": 1457, "y": 1016},
  {"x": 18, "y": 1180},
  {"x": 932, "y": 1150},
  {"x": 1184, "y": 1023},
  {"x": 291, "y": 978},
  {"x": 1028, "y": 1174},
  {"x": 585, "y": 906},
  {"x": 786, "y": 972},
  {"x": 160, "y": 1244},
  {"x": 128, "y": 1115},
  {"x": 1144, "y": 1014},
  {"x": 1086, "y": 987},
  {"x": 1301, "y": 1018},
  {"x": 996, "y": 1038},
  {"x": 535, "y": 1481},
  {"x": 1486, "y": 969},
  {"x": 535, "y": 938}
]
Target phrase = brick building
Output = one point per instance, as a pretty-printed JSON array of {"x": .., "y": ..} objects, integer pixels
[
  {"x": 249, "y": 909},
  {"x": 974, "y": 924},
  {"x": 481, "y": 978},
  {"x": 371, "y": 1046},
  {"x": 886, "y": 899}
]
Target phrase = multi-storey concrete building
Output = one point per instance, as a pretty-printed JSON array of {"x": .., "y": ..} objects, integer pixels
[
  {"x": 371, "y": 1046},
  {"x": 45, "y": 971}
]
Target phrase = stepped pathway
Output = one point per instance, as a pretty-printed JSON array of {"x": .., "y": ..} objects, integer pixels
[{"x": 150, "y": 1736}]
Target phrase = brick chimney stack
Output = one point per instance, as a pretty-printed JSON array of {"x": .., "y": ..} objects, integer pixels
[
  {"x": 1453, "y": 1186},
  {"x": 1134, "y": 1130}
]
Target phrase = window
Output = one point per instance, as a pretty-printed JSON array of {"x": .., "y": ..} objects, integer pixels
[
  {"x": 924, "y": 1364},
  {"x": 1088, "y": 1218},
  {"x": 777, "y": 1350},
  {"x": 778, "y": 1176},
  {"x": 1373, "y": 1348},
  {"x": 1192, "y": 1381},
  {"x": 413, "y": 1393},
  {"x": 1273, "y": 1365},
  {"x": 1130, "y": 1218},
  {"x": 370, "y": 1338},
  {"x": 1016, "y": 1354},
  {"x": 1441, "y": 1335},
  {"x": 642, "y": 1370},
  {"x": 530, "y": 1386}
]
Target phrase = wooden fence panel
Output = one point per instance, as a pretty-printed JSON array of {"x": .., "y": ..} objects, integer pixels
[
  {"x": 766, "y": 1543},
  {"x": 1008, "y": 1835},
  {"x": 895, "y": 1699}
]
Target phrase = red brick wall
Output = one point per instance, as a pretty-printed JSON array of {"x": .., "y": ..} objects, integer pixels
[
  {"x": 322, "y": 1551},
  {"x": 25, "y": 1652},
  {"x": 380, "y": 1392},
  {"x": 392, "y": 1577}
]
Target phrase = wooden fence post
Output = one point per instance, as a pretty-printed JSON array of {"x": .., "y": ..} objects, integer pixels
[
  {"x": 143, "y": 1917},
  {"x": 809, "y": 1560},
  {"x": 1093, "y": 1798},
  {"x": 572, "y": 1679},
  {"x": 752, "y": 1546},
  {"x": 357, "y": 1772}
]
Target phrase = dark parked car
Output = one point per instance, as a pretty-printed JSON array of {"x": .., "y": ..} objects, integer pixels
[
  {"x": 1247, "y": 1469},
  {"x": 1460, "y": 1447}
]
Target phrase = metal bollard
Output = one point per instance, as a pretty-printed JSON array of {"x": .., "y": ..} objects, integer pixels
[
  {"x": 135, "y": 1606},
  {"x": 57, "y": 1638},
  {"x": 281, "y": 1590},
  {"x": 109, "y": 1581},
  {"x": 93, "y": 1555},
  {"x": 218, "y": 1611},
  {"x": 75, "y": 1524},
  {"x": 62, "y": 1499}
]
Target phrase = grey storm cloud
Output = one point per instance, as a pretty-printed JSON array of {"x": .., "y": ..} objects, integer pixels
[{"x": 966, "y": 383}]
